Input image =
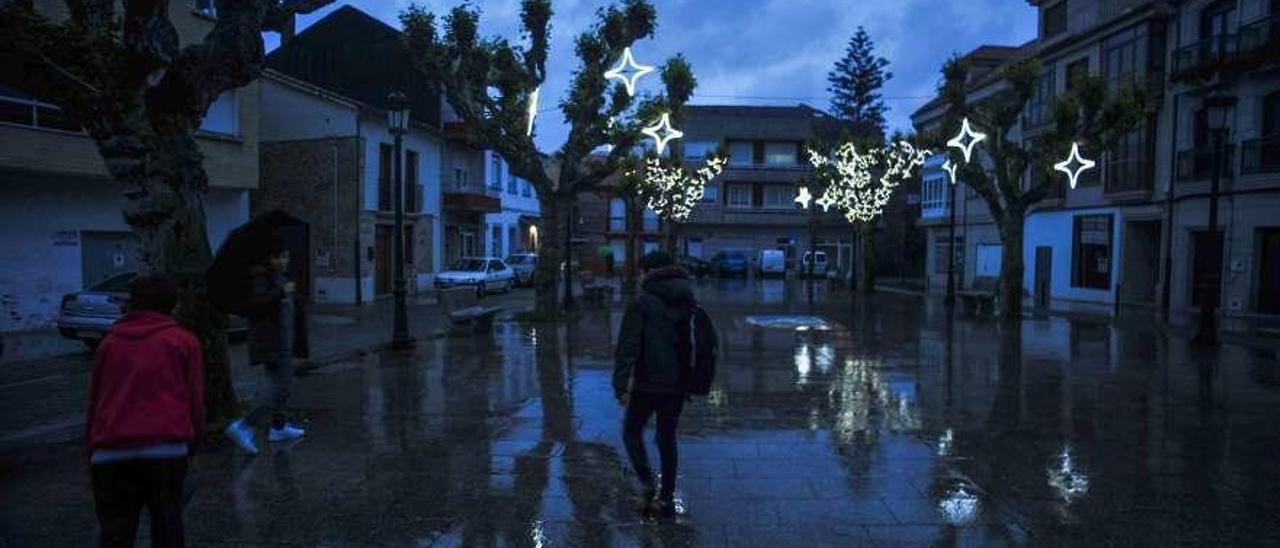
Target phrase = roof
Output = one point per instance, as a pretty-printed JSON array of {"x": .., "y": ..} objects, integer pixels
[
  {"x": 985, "y": 64},
  {"x": 360, "y": 57},
  {"x": 798, "y": 123}
]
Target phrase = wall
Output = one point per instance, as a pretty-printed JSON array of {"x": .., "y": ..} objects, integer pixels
[
  {"x": 289, "y": 113},
  {"x": 1056, "y": 229}
]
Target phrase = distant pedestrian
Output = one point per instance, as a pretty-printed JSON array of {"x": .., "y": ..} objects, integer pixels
[
  {"x": 146, "y": 410},
  {"x": 271, "y": 345},
  {"x": 652, "y": 370}
]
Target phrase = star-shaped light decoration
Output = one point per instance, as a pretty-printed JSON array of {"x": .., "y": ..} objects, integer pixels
[
  {"x": 668, "y": 132},
  {"x": 1074, "y": 165},
  {"x": 803, "y": 198},
  {"x": 950, "y": 168},
  {"x": 628, "y": 71},
  {"x": 827, "y": 200},
  {"x": 533, "y": 109},
  {"x": 966, "y": 140}
]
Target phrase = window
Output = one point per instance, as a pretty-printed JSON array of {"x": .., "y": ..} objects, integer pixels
[
  {"x": 1091, "y": 254},
  {"x": 207, "y": 7},
  {"x": 1120, "y": 62},
  {"x": 617, "y": 215},
  {"x": 496, "y": 244},
  {"x": 495, "y": 183},
  {"x": 223, "y": 115},
  {"x": 1055, "y": 19},
  {"x": 408, "y": 246},
  {"x": 779, "y": 196},
  {"x": 513, "y": 184},
  {"x": 1076, "y": 72},
  {"x": 698, "y": 150},
  {"x": 710, "y": 194},
  {"x": 780, "y": 154},
  {"x": 650, "y": 220},
  {"x": 411, "y": 188},
  {"x": 513, "y": 241},
  {"x": 1038, "y": 107},
  {"x": 741, "y": 153},
  {"x": 385, "y": 155},
  {"x": 526, "y": 188},
  {"x": 1126, "y": 163},
  {"x": 739, "y": 195},
  {"x": 19, "y": 108}
]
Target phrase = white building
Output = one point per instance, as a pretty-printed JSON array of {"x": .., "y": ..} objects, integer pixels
[{"x": 515, "y": 229}]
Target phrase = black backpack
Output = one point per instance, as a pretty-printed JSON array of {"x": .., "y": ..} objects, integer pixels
[{"x": 706, "y": 347}]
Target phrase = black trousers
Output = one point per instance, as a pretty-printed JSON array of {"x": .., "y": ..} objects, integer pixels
[
  {"x": 667, "y": 407},
  {"x": 121, "y": 489}
]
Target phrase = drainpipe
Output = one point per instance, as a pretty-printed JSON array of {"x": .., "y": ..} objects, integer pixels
[
  {"x": 1167, "y": 286},
  {"x": 355, "y": 225}
]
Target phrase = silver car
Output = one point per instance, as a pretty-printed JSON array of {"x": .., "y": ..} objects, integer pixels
[
  {"x": 86, "y": 316},
  {"x": 523, "y": 264}
]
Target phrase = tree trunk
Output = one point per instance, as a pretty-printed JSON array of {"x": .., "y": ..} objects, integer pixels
[
  {"x": 1011, "y": 264},
  {"x": 164, "y": 204},
  {"x": 866, "y": 258},
  {"x": 813, "y": 253},
  {"x": 550, "y": 253}
]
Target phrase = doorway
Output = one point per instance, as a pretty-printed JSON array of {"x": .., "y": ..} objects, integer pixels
[
  {"x": 1044, "y": 276},
  {"x": 382, "y": 258},
  {"x": 107, "y": 254},
  {"x": 1141, "y": 262},
  {"x": 1206, "y": 273},
  {"x": 1269, "y": 271}
]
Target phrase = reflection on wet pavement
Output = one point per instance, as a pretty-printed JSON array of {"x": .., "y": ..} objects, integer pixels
[{"x": 894, "y": 427}]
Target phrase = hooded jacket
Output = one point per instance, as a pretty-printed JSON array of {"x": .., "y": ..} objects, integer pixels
[
  {"x": 655, "y": 346},
  {"x": 271, "y": 333},
  {"x": 146, "y": 386}
]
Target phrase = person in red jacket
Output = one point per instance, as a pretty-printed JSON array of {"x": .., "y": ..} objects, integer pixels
[{"x": 146, "y": 410}]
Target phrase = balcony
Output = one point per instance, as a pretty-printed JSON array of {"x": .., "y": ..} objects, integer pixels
[
  {"x": 470, "y": 197},
  {"x": 1261, "y": 36},
  {"x": 1260, "y": 156},
  {"x": 1197, "y": 164},
  {"x": 1211, "y": 51},
  {"x": 1128, "y": 178}
]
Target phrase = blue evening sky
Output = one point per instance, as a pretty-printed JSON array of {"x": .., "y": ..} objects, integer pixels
[{"x": 763, "y": 52}]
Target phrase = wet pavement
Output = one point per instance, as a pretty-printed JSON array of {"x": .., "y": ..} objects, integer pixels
[{"x": 885, "y": 424}]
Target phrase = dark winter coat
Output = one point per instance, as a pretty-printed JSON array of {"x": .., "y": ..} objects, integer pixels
[
  {"x": 655, "y": 347},
  {"x": 146, "y": 385},
  {"x": 271, "y": 331}
]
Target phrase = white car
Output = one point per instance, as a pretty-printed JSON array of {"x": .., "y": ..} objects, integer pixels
[{"x": 486, "y": 274}]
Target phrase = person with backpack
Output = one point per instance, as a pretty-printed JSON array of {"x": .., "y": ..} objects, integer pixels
[
  {"x": 146, "y": 412},
  {"x": 271, "y": 344},
  {"x": 655, "y": 369}
]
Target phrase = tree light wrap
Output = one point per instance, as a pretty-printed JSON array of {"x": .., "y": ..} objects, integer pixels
[
  {"x": 951, "y": 169},
  {"x": 859, "y": 194},
  {"x": 628, "y": 71},
  {"x": 671, "y": 192},
  {"x": 533, "y": 109},
  {"x": 966, "y": 140},
  {"x": 1080, "y": 163}
]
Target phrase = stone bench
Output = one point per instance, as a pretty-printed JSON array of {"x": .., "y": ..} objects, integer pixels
[
  {"x": 466, "y": 314},
  {"x": 981, "y": 297}
]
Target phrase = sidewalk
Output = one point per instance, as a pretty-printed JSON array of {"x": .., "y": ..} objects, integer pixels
[{"x": 1128, "y": 317}]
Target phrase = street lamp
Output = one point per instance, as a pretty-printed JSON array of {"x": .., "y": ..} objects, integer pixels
[
  {"x": 1218, "y": 106},
  {"x": 398, "y": 125}
]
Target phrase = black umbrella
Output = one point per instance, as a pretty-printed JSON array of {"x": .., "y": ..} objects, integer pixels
[{"x": 229, "y": 277}]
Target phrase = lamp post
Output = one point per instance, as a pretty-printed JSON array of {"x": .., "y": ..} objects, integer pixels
[
  {"x": 398, "y": 124},
  {"x": 1218, "y": 106},
  {"x": 950, "y": 299}
]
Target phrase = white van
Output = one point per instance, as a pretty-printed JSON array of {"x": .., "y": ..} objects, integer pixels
[
  {"x": 773, "y": 262},
  {"x": 819, "y": 264}
]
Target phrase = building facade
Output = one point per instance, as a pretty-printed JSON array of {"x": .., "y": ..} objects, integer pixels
[
  {"x": 60, "y": 210},
  {"x": 515, "y": 228},
  {"x": 329, "y": 157}
]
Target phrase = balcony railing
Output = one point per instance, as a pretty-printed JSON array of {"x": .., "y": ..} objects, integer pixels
[
  {"x": 1197, "y": 164},
  {"x": 1260, "y": 156},
  {"x": 1210, "y": 50},
  {"x": 1259, "y": 35},
  {"x": 1128, "y": 175}
]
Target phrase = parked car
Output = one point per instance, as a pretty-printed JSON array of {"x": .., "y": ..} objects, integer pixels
[
  {"x": 819, "y": 264},
  {"x": 773, "y": 262},
  {"x": 87, "y": 315},
  {"x": 729, "y": 263},
  {"x": 483, "y": 273},
  {"x": 698, "y": 268},
  {"x": 523, "y": 265}
]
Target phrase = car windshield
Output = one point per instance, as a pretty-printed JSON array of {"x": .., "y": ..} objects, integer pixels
[
  {"x": 116, "y": 284},
  {"x": 469, "y": 265},
  {"x": 520, "y": 259}
]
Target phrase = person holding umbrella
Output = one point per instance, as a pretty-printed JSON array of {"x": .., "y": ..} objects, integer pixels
[{"x": 272, "y": 313}]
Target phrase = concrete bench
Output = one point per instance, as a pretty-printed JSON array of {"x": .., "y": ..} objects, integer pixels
[
  {"x": 593, "y": 289},
  {"x": 466, "y": 314},
  {"x": 981, "y": 297}
]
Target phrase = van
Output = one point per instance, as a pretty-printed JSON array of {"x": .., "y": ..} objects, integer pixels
[
  {"x": 819, "y": 264},
  {"x": 773, "y": 262}
]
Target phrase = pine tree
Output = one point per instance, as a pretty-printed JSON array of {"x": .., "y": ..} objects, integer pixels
[{"x": 855, "y": 84}]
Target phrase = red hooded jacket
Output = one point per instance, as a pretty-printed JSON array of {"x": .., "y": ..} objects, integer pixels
[{"x": 147, "y": 384}]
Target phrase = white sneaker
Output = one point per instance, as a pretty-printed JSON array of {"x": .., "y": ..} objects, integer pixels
[
  {"x": 285, "y": 433},
  {"x": 240, "y": 433}
]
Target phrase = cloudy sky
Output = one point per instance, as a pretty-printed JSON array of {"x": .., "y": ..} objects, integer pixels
[{"x": 764, "y": 52}]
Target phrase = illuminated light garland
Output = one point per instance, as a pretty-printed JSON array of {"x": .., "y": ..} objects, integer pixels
[
  {"x": 628, "y": 71},
  {"x": 668, "y": 133},
  {"x": 951, "y": 169},
  {"x": 673, "y": 193},
  {"x": 533, "y": 109},
  {"x": 803, "y": 198},
  {"x": 1081, "y": 164},
  {"x": 855, "y": 191},
  {"x": 973, "y": 137}
]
